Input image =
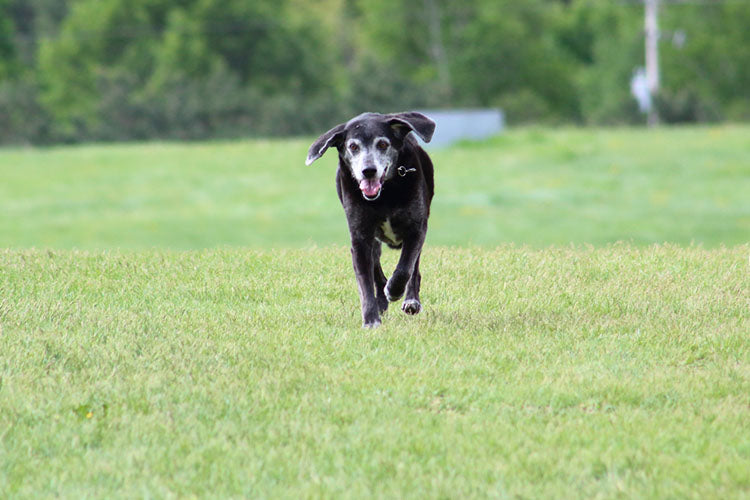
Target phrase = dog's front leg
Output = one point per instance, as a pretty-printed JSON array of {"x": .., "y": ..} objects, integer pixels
[
  {"x": 380, "y": 279},
  {"x": 362, "y": 259},
  {"x": 396, "y": 285},
  {"x": 411, "y": 303}
]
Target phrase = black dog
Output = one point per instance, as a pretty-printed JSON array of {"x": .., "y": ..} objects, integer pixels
[{"x": 385, "y": 183}]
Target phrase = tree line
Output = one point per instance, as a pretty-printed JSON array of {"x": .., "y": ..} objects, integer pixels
[{"x": 82, "y": 70}]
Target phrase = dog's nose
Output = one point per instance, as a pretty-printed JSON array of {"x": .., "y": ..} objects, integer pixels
[{"x": 369, "y": 172}]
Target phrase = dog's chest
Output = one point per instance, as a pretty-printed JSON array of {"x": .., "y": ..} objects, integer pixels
[{"x": 388, "y": 235}]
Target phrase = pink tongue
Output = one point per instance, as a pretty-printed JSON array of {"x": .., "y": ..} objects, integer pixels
[{"x": 370, "y": 187}]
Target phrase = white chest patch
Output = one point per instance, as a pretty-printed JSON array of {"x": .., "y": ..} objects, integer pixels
[{"x": 388, "y": 232}]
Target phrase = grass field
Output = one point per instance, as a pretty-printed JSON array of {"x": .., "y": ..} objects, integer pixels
[
  {"x": 557, "y": 373},
  {"x": 182, "y": 321},
  {"x": 536, "y": 187}
]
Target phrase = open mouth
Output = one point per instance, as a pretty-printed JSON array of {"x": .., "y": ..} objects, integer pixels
[{"x": 370, "y": 188}]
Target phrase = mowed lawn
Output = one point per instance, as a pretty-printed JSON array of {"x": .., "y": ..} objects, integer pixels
[
  {"x": 557, "y": 373},
  {"x": 530, "y": 186},
  {"x": 182, "y": 321}
]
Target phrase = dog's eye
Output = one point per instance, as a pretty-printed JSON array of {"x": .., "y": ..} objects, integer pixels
[
  {"x": 353, "y": 147},
  {"x": 382, "y": 145}
]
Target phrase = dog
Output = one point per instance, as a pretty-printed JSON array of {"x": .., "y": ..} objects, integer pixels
[{"x": 385, "y": 184}]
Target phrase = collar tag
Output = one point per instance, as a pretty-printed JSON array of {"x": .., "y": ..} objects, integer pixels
[{"x": 402, "y": 170}]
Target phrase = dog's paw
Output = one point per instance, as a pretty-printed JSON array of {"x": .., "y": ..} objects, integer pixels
[
  {"x": 393, "y": 296},
  {"x": 370, "y": 317},
  {"x": 371, "y": 324},
  {"x": 411, "y": 307},
  {"x": 396, "y": 286}
]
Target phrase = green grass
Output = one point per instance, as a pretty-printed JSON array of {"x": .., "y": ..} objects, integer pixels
[
  {"x": 188, "y": 325},
  {"x": 556, "y": 373},
  {"x": 533, "y": 186}
]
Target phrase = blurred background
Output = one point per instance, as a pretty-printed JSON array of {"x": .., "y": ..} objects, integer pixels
[
  {"x": 112, "y": 70},
  {"x": 576, "y": 81}
]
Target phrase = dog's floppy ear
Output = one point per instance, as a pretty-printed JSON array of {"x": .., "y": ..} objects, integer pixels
[
  {"x": 403, "y": 123},
  {"x": 331, "y": 138}
]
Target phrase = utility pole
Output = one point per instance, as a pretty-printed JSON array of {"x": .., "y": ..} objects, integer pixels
[{"x": 652, "y": 56}]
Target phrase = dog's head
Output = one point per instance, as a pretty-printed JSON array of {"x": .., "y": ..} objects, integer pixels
[{"x": 369, "y": 145}]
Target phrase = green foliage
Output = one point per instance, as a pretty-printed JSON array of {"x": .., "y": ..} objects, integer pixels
[
  {"x": 120, "y": 69},
  {"x": 7, "y": 49},
  {"x": 607, "y": 61},
  {"x": 511, "y": 50},
  {"x": 555, "y": 373},
  {"x": 24, "y": 119},
  {"x": 707, "y": 78},
  {"x": 123, "y": 69}
]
